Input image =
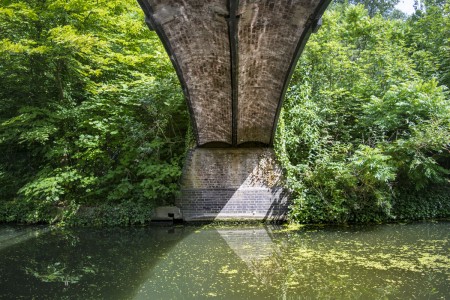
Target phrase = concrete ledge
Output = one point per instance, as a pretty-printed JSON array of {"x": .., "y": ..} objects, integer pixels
[{"x": 166, "y": 213}]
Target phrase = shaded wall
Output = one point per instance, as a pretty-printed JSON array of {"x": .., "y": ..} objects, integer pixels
[{"x": 232, "y": 183}]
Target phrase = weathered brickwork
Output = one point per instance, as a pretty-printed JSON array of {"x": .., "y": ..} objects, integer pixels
[
  {"x": 268, "y": 34},
  {"x": 232, "y": 183},
  {"x": 233, "y": 105},
  {"x": 198, "y": 35}
]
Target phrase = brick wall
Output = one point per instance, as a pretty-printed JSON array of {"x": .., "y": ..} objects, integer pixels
[
  {"x": 238, "y": 183},
  {"x": 198, "y": 34},
  {"x": 269, "y": 32}
]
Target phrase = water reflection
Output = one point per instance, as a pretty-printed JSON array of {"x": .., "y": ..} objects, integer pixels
[
  {"x": 390, "y": 261},
  {"x": 11, "y": 235},
  {"x": 82, "y": 263},
  {"x": 255, "y": 247},
  {"x": 203, "y": 265}
]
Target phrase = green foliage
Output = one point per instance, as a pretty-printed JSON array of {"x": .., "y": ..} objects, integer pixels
[
  {"x": 428, "y": 34},
  {"x": 432, "y": 203},
  {"x": 362, "y": 121},
  {"x": 105, "y": 214},
  {"x": 386, "y": 8},
  {"x": 92, "y": 113}
]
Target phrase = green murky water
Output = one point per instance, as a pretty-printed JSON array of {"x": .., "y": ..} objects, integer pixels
[{"x": 361, "y": 262}]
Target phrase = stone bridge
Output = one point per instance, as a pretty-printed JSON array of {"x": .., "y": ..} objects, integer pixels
[{"x": 234, "y": 59}]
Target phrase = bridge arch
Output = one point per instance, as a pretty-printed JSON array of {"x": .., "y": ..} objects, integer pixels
[{"x": 234, "y": 59}]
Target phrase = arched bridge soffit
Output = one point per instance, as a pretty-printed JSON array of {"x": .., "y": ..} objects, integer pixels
[{"x": 234, "y": 59}]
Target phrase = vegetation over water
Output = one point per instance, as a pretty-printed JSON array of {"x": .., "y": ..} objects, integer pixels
[{"x": 93, "y": 120}]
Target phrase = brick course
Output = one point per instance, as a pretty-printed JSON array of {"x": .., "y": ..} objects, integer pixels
[
  {"x": 198, "y": 36},
  {"x": 268, "y": 35},
  {"x": 237, "y": 183}
]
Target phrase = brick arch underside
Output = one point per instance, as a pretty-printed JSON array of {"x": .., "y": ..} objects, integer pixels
[{"x": 234, "y": 60}]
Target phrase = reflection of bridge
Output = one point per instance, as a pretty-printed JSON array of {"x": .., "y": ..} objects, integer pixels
[
  {"x": 234, "y": 60},
  {"x": 221, "y": 263}
]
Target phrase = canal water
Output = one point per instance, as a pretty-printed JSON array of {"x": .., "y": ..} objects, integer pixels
[{"x": 265, "y": 262}]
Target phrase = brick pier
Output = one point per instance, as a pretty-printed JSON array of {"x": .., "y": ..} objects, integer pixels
[
  {"x": 232, "y": 183},
  {"x": 234, "y": 59}
]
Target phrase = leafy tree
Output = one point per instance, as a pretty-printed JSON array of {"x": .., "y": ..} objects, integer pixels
[
  {"x": 89, "y": 103},
  {"x": 92, "y": 117},
  {"x": 384, "y": 7},
  {"x": 361, "y": 121},
  {"x": 429, "y": 36}
]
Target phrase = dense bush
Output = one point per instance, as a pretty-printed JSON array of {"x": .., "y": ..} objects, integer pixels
[
  {"x": 432, "y": 203},
  {"x": 364, "y": 122},
  {"x": 91, "y": 111}
]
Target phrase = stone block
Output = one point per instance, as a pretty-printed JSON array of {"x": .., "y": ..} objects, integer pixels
[{"x": 166, "y": 213}]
